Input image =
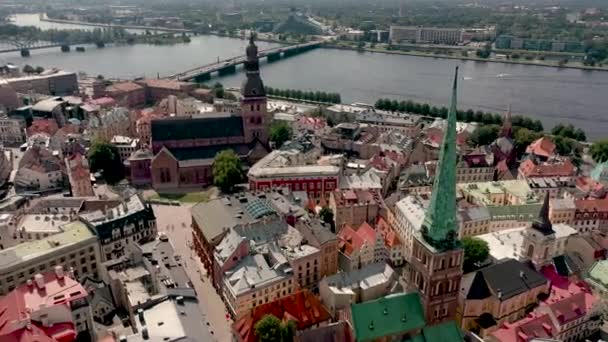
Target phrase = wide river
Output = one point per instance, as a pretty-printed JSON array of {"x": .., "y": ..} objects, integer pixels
[{"x": 550, "y": 94}]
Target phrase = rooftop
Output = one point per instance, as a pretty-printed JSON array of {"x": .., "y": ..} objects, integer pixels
[
  {"x": 302, "y": 307},
  {"x": 288, "y": 162},
  {"x": 483, "y": 190},
  {"x": 74, "y": 234},
  {"x": 45, "y": 224},
  {"x": 217, "y": 215},
  {"x": 370, "y": 276},
  {"x": 257, "y": 271},
  {"x": 387, "y": 316}
]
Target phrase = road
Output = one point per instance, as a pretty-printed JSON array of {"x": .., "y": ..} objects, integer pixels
[{"x": 175, "y": 222}]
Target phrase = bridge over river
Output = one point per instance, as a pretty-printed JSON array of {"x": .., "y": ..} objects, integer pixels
[{"x": 228, "y": 66}]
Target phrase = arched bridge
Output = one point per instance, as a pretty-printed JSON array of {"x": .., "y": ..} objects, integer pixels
[{"x": 227, "y": 66}]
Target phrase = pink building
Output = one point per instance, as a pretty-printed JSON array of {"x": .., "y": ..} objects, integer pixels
[
  {"x": 79, "y": 175},
  {"x": 156, "y": 89},
  {"x": 227, "y": 255},
  {"x": 51, "y": 307},
  {"x": 139, "y": 167},
  {"x": 127, "y": 94}
]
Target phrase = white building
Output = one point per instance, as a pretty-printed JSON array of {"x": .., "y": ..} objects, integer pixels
[
  {"x": 341, "y": 290},
  {"x": 257, "y": 279},
  {"x": 12, "y": 131},
  {"x": 125, "y": 145}
]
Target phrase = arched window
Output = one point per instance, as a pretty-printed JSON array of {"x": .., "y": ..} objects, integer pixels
[{"x": 530, "y": 251}]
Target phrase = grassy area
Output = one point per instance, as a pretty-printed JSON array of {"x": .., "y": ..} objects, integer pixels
[{"x": 186, "y": 197}]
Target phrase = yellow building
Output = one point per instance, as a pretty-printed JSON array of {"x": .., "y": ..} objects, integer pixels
[{"x": 509, "y": 192}]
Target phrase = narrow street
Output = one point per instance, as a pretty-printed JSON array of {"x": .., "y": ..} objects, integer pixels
[{"x": 175, "y": 222}]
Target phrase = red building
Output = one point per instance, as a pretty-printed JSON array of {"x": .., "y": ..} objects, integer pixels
[
  {"x": 185, "y": 147},
  {"x": 139, "y": 167},
  {"x": 288, "y": 169},
  {"x": 127, "y": 93},
  {"x": 302, "y": 307},
  {"x": 49, "y": 308}
]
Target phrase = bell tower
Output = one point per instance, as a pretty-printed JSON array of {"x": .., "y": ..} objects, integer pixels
[
  {"x": 437, "y": 254},
  {"x": 256, "y": 121}
]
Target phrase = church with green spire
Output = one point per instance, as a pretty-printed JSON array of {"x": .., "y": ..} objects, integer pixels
[{"x": 437, "y": 256}]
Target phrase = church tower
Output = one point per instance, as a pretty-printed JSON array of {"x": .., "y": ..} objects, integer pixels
[
  {"x": 437, "y": 254},
  {"x": 507, "y": 126},
  {"x": 539, "y": 240},
  {"x": 256, "y": 121}
]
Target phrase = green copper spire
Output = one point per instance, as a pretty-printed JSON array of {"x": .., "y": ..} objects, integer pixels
[{"x": 440, "y": 224}]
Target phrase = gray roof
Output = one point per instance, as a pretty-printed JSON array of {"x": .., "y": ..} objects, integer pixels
[
  {"x": 317, "y": 229},
  {"x": 218, "y": 215},
  {"x": 508, "y": 278}
]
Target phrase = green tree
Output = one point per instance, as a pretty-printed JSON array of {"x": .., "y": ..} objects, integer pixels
[
  {"x": 271, "y": 329},
  {"x": 227, "y": 171},
  {"x": 39, "y": 70},
  {"x": 599, "y": 151},
  {"x": 484, "y": 135},
  {"x": 28, "y": 69},
  {"x": 280, "y": 132},
  {"x": 327, "y": 216},
  {"x": 475, "y": 251},
  {"x": 104, "y": 157},
  {"x": 218, "y": 89},
  {"x": 524, "y": 137}
]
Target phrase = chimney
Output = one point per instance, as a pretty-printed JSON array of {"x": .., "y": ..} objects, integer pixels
[
  {"x": 144, "y": 333},
  {"x": 39, "y": 280},
  {"x": 59, "y": 272},
  {"x": 499, "y": 294},
  {"x": 71, "y": 273},
  {"x": 140, "y": 314}
]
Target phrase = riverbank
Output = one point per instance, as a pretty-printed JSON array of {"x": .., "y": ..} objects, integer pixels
[
  {"x": 127, "y": 27},
  {"x": 467, "y": 58},
  {"x": 163, "y": 29}
]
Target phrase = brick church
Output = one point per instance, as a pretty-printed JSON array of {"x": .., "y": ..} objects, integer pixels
[{"x": 184, "y": 147}]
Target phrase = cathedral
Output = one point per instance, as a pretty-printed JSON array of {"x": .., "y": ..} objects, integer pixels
[{"x": 184, "y": 147}]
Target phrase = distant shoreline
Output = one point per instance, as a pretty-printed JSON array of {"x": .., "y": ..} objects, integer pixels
[{"x": 475, "y": 59}]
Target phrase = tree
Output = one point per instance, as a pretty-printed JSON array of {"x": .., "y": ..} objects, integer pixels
[
  {"x": 104, "y": 157},
  {"x": 475, "y": 252},
  {"x": 39, "y": 70},
  {"x": 484, "y": 135},
  {"x": 599, "y": 151},
  {"x": 271, "y": 329},
  {"x": 524, "y": 137},
  {"x": 327, "y": 216},
  {"x": 280, "y": 132},
  {"x": 227, "y": 171},
  {"x": 218, "y": 88},
  {"x": 28, "y": 69}
]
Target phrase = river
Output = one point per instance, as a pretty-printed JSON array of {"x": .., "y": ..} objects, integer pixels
[{"x": 550, "y": 94}]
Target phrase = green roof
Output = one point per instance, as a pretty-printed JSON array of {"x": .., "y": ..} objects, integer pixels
[
  {"x": 440, "y": 223},
  {"x": 447, "y": 331},
  {"x": 524, "y": 212},
  {"x": 386, "y": 316},
  {"x": 599, "y": 273},
  {"x": 184, "y": 128},
  {"x": 600, "y": 169}
]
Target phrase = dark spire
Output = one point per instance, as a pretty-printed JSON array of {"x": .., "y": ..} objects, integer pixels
[
  {"x": 543, "y": 223},
  {"x": 507, "y": 125},
  {"x": 253, "y": 85},
  {"x": 440, "y": 224}
]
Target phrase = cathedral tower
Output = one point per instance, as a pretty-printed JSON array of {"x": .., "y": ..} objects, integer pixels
[
  {"x": 437, "y": 255},
  {"x": 256, "y": 121}
]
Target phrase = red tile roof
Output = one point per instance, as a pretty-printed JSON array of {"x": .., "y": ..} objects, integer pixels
[
  {"x": 302, "y": 307},
  {"x": 391, "y": 239},
  {"x": 356, "y": 196},
  {"x": 103, "y": 101},
  {"x": 591, "y": 205},
  {"x": 350, "y": 240},
  {"x": 543, "y": 147},
  {"x": 47, "y": 126},
  {"x": 553, "y": 169},
  {"x": 124, "y": 87},
  {"x": 532, "y": 326},
  {"x": 18, "y": 307},
  {"x": 590, "y": 186}
]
